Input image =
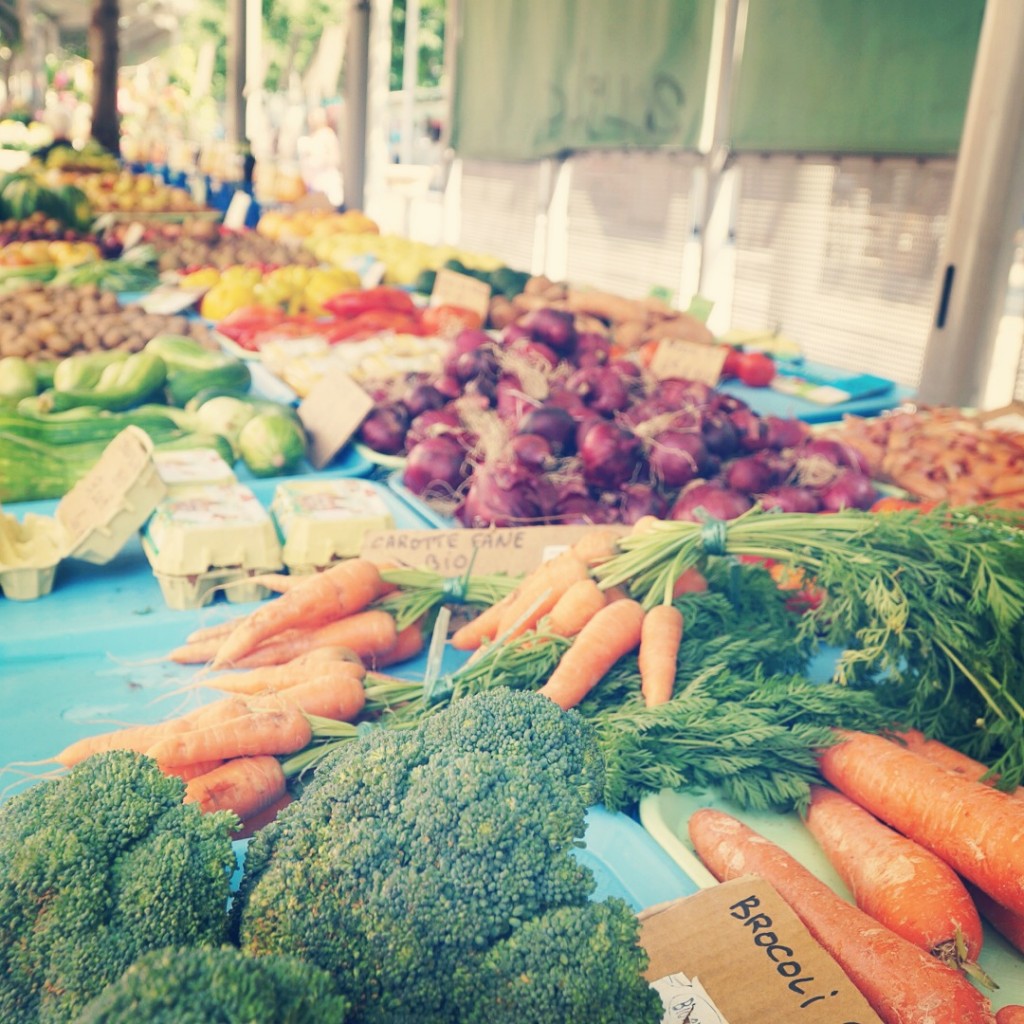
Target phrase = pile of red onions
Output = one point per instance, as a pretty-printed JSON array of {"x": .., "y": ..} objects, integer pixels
[{"x": 606, "y": 443}]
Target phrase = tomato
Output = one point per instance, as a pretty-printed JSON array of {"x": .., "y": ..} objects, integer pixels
[
  {"x": 755, "y": 369},
  {"x": 449, "y": 320},
  {"x": 731, "y": 366}
]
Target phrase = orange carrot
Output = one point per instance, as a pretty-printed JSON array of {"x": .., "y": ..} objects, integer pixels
[
  {"x": 245, "y": 785},
  {"x": 611, "y": 633},
  {"x": 280, "y": 731},
  {"x": 279, "y": 677},
  {"x": 977, "y": 830},
  {"x": 952, "y": 759},
  {"x": 187, "y": 772},
  {"x": 575, "y": 608},
  {"x": 484, "y": 627},
  {"x": 332, "y": 691},
  {"x": 538, "y": 599},
  {"x": 898, "y": 883},
  {"x": 545, "y": 585},
  {"x": 136, "y": 737},
  {"x": 408, "y": 644},
  {"x": 660, "y": 637},
  {"x": 256, "y": 821},
  {"x": 342, "y": 590},
  {"x": 903, "y": 984},
  {"x": 365, "y": 633},
  {"x": 616, "y": 594},
  {"x": 217, "y": 631},
  {"x": 597, "y": 545},
  {"x": 278, "y": 582},
  {"x": 196, "y": 652},
  {"x": 1006, "y": 922},
  {"x": 1011, "y": 1014}
]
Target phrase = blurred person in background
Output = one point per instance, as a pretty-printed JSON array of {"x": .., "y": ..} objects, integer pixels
[{"x": 320, "y": 157}]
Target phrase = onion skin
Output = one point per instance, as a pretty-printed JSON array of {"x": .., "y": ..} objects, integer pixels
[
  {"x": 713, "y": 499},
  {"x": 384, "y": 429},
  {"x": 435, "y": 463},
  {"x": 610, "y": 455}
]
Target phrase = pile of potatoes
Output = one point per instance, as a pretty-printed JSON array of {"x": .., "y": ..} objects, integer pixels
[
  {"x": 206, "y": 245},
  {"x": 53, "y": 322}
]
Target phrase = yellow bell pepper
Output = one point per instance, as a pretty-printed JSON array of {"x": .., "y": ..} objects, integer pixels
[
  {"x": 324, "y": 284},
  {"x": 225, "y": 298},
  {"x": 205, "y": 278}
]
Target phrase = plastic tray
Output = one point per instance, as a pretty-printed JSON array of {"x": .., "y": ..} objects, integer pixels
[{"x": 664, "y": 815}]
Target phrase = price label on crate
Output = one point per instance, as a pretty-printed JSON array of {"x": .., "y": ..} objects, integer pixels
[
  {"x": 689, "y": 360},
  {"x": 454, "y": 289},
  {"x": 331, "y": 413}
]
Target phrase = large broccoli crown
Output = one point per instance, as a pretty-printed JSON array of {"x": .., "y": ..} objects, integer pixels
[
  {"x": 96, "y": 868},
  {"x": 414, "y": 852},
  {"x": 524, "y": 978},
  {"x": 208, "y": 986}
]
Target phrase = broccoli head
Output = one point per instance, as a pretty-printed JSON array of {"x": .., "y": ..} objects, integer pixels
[
  {"x": 416, "y": 851},
  {"x": 217, "y": 986},
  {"x": 577, "y": 965},
  {"x": 96, "y": 868}
]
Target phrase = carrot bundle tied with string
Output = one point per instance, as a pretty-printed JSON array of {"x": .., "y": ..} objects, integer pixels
[
  {"x": 613, "y": 632},
  {"x": 341, "y": 590},
  {"x": 657, "y": 660}
]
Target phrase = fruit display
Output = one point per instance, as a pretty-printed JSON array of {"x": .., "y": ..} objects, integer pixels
[
  {"x": 41, "y": 226},
  {"x": 23, "y": 194},
  {"x": 404, "y": 260},
  {"x": 58, "y": 253},
  {"x": 46, "y": 323},
  {"x": 125, "y": 192},
  {"x": 196, "y": 244},
  {"x": 291, "y": 223},
  {"x": 292, "y": 287},
  {"x": 92, "y": 157}
]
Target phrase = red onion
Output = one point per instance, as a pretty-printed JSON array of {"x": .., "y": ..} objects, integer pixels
[
  {"x": 554, "y": 327},
  {"x": 473, "y": 365},
  {"x": 720, "y": 435},
  {"x": 512, "y": 402},
  {"x": 676, "y": 457},
  {"x": 535, "y": 352},
  {"x": 752, "y": 430},
  {"x": 715, "y": 500},
  {"x": 821, "y": 447},
  {"x": 423, "y": 397},
  {"x": 592, "y": 349},
  {"x": 502, "y": 494},
  {"x": 675, "y": 392},
  {"x": 384, "y": 429},
  {"x": 449, "y": 386},
  {"x": 849, "y": 489},
  {"x": 750, "y": 474},
  {"x": 554, "y": 424},
  {"x": 582, "y": 510},
  {"x": 787, "y": 498},
  {"x": 514, "y": 332},
  {"x": 437, "y": 423},
  {"x": 639, "y": 500},
  {"x": 601, "y": 388},
  {"x": 533, "y": 451},
  {"x": 610, "y": 455},
  {"x": 785, "y": 433},
  {"x": 435, "y": 463}
]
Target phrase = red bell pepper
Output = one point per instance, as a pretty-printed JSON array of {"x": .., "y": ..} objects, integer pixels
[
  {"x": 374, "y": 321},
  {"x": 449, "y": 320},
  {"x": 361, "y": 300}
]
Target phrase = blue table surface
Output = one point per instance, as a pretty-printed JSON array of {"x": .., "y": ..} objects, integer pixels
[{"x": 767, "y": 402}]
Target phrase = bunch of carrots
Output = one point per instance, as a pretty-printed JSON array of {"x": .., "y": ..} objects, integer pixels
[{"x": 923, "y": 841}]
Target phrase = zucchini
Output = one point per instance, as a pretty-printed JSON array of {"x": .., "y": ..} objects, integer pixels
[
  {"x": 85, "y": 423},
  {"x": 121, "y": 385},
  {"x": 192, "y": 368}
]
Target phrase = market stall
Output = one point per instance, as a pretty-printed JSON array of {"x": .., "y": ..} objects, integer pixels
[{"x": 447, "y": 638}]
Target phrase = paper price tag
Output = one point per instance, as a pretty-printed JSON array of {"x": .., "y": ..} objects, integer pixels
[
  {"x": 689, "y": 360},
  {"x": 511, "y": 550},
  {"x": 331, "y": 414},
  {"x": 454, "y": 289},
  {"x": 237, "y": 211},
  {"x": 169, "y": 300}
]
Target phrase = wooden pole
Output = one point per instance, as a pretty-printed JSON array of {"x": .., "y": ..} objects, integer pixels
[{"x": 104, "y": 52}]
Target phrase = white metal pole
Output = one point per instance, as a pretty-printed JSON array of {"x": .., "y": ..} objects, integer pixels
[
  {"x": 988, "y": 196},
  {"x": 410, "y": 78},
  {"x": 357, "y": 69}
]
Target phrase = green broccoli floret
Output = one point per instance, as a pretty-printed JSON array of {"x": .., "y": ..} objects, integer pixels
[
  {"x": 96, "y": 868},
  {"x": 217, "y": 986},
  {"x": 576, "y": 965},
  {"x": 413, "y": 852}
]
